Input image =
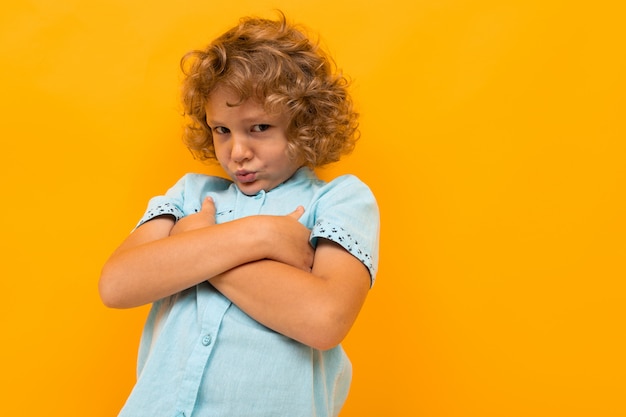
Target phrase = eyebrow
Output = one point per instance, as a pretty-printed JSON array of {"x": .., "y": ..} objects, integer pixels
[{"x": 261, "y": 118}]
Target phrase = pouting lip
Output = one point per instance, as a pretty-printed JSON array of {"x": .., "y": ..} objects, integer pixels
[
  {"x": 245, "y": 176},
  {"x": 243, "y": 172}
]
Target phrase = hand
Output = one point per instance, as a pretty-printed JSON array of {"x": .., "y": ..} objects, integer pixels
[
  {"x": 288, "y": 240},
  {"x": 204, "y": 218}
]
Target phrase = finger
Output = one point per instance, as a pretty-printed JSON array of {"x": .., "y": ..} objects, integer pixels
[
  {"x": 208, "y": 206},
  {"x": 297, "y": 213}
]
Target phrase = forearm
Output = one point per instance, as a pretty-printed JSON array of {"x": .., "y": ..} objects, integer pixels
[
  {"x": 316, "y": 308},
  {"x": 141, "y": 272}
]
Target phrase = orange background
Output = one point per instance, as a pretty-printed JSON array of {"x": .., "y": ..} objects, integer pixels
[{"x": 493, "y": 136}]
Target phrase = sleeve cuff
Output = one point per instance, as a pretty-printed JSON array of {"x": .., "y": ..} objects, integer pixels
[
  {"x": 161, "y": 210},
  {"x": 346, "y": 240}
]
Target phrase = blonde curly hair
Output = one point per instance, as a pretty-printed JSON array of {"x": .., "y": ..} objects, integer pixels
[{"x": 275, "y": 63}]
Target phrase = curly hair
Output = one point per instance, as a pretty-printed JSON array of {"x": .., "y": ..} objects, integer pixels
[{"x": 275, "y": 63}]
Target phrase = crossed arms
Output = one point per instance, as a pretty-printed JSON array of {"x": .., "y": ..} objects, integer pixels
[{"x": 263, "y": 264}]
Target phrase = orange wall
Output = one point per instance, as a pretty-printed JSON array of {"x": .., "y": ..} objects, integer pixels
[{"x": 493, "y": 135}]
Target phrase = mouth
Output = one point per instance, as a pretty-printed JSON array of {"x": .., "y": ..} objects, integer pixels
[{"x": 245, "y": 177}]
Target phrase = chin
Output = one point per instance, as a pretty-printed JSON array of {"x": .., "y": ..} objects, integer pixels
[{"x": 249, "y": 188}]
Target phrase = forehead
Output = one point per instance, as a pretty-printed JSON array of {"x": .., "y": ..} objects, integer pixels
[
  {"x": 223, "y": 97},
  {"x": 225, "y": 103}
]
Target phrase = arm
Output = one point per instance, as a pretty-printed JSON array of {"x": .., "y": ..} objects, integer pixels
[
  {"x": 316, "y": 308},
  {"x": 153, "y": 263}
]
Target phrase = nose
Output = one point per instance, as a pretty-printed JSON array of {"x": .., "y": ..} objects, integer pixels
[{"x": 241, "y": 150}]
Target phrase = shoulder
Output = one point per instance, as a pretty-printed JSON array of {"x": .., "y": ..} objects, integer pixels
[
  {"x": 197, "y": 184},
  {"x": 347, "y": 180},
  {"x": 205, "y": 181},
  {"x": 348, "y": 187},
  {"x": 185, "y": 196}
]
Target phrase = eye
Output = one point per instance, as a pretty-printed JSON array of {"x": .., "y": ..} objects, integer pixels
[
  {"x": 221, "y": 130},
  {"x": 260, "y": 127}
]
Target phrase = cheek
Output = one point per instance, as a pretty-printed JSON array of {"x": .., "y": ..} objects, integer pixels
[
  {"x": 220, "y": 149},
  {"x": 222, "y": 156},
  {"x": 283, "y": 156}
]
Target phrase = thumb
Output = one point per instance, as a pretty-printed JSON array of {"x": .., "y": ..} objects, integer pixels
[
  {"x": 208, "y": 206},
  {"x": 297, "y": 213}
]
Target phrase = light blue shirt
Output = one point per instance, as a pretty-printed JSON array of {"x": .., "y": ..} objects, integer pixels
[{"x": 200, "y": 355}]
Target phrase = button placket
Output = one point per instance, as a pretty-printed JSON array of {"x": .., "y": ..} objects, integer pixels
[
  {"x": 249, "y": 205},
  {"x": 214, "y": 309},
  {"x": 258, "y": 201}
]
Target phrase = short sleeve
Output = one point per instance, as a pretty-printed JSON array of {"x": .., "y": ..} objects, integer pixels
[
  {"x": 169, "y": 204},
  {"x": 347, "y": 213},
  {"x": 184, "y": 197}
]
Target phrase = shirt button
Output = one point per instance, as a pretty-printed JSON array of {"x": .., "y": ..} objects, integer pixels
[{"x": 206, "y": 340}]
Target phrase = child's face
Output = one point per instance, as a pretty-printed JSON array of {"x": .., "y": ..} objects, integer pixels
[{"x": 250, "y": 144}]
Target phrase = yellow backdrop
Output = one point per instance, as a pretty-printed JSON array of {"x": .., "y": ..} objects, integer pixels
[{"x": 493, "y": 136}]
